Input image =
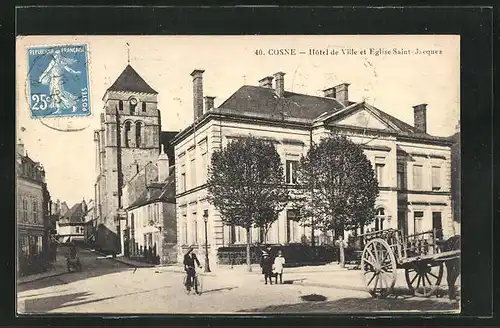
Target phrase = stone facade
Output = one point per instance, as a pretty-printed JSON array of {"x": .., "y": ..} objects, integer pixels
[
  {"x": 32, "y": 214},
  {"x": 413, "y": 168},
  {"x": 149, "y": 201},
  {"x": 127, "y": 140}
]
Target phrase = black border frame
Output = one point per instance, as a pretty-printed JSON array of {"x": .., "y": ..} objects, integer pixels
[{"x": 473, "y": 24}]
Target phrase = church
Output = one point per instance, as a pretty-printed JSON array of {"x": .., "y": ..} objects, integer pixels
[{"x": 128, "y": 141}]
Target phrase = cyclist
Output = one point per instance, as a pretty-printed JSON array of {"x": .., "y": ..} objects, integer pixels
[{"x": 189, "y": 260}]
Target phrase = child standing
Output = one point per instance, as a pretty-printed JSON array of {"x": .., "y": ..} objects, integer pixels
[{"x": 279, "y": 261}]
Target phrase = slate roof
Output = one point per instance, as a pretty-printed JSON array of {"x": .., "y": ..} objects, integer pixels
[
  {"x": 263, "y": 100},
  {"x": 130, "y": 80},
  {"x": 157, "y": 192},
  {"x": 75, "y": 214}
]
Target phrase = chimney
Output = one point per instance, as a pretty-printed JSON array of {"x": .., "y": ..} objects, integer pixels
[
  {"x": 20, "y": 147},
  {"x": 209, "y": 103},
  {"x": 163, "y": 165},
  {"x": 342, "y": 93},
  {"x": 280, "y": 83},
  {"x": 197, "y": 92},
  {"x": 329, "y": 93},
  {"x": 420, "y": 117},
  {"x": 266, "y": 82}
]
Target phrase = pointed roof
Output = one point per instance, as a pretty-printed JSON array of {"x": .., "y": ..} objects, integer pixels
[
  {"x": 130, "y": 80},
  {"x": 75, "y": 214}
]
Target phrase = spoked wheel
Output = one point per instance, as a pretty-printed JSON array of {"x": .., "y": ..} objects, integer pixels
[
  {"x": 379, "y": 268},
  {"x": 184, "y": 283},
  {"x": 424, "y": 278},
  {"x": 198, "y": 283}
]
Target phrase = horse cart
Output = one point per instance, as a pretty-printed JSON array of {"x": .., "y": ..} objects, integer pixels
[{"x": 421, "y": 255}]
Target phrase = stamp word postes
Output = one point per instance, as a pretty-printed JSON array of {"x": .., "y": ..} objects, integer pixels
[{"x": 58, "y": 81}]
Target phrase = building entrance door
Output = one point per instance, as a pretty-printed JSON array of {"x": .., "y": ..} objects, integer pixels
[
  {"x": 402, "y": 222},
  {"x": 437, "y": 224}
]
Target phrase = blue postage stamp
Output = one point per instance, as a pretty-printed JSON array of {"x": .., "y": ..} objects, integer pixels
[{"x": 58, "y": 81}]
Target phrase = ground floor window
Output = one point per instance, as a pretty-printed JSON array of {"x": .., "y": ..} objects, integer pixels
[
  {"x": 379, "y": 219},
  {"x": 291, "y": 226},
  {"x": 232, "y": 234},
  {"x": 418, "y": 218}
]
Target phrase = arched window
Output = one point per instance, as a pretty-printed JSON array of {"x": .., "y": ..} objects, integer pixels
[
  {"x": 143, "y": 106},
  {"x": 379, "y": 219},
  {"x": 120, "y": 105},
  {"x": 127, "y": 134},
  {"x": 138, "y": 131}
]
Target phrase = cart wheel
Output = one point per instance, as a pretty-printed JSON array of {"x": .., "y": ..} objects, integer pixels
[
  {"x": 379, "y": 268},
  {"x": 424, "y": 278}
]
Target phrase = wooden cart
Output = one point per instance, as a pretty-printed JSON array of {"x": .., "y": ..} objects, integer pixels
[{"x": 420, "y": 255}]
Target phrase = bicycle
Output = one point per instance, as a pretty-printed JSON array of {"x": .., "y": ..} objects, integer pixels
[{"x": 197, "y": 283}]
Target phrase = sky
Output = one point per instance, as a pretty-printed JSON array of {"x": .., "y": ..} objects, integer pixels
[{"x": 393, "y": 82}]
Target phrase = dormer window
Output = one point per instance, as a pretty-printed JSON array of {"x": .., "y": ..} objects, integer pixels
[{"x": 132, "y": 105}]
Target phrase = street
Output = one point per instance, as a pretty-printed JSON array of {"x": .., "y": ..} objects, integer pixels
[{"x": 107, "y": 286}]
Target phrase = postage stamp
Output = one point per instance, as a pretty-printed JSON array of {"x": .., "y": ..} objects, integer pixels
[{"x": 58, "y": 81}]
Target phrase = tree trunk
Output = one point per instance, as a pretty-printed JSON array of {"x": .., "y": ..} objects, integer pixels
[
  {"x": 341, "y": 251},
  {"x": 339, "y": 232},
  {"x": 249, "y": 264}
]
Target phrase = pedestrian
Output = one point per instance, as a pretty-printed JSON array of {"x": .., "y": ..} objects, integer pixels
[
  {"x": 279, "y": 261},
  {"x": 267, "y": 267}
]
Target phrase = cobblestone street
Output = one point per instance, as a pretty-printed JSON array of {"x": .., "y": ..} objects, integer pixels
[{"x": 108, "y": 286}]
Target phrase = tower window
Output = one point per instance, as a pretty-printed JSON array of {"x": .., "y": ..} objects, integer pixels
[
  {"x": 120, "y": 105},
  {"x": 138, "y": 126},
  {"x": 127, "y": 134},
  {"x": 143, "y": 107}
]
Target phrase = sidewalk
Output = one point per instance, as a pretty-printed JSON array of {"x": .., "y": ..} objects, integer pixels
[{"x": 57, "y": 268}]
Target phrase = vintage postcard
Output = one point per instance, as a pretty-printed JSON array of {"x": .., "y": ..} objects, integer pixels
[{"x": 238, "y": 174}]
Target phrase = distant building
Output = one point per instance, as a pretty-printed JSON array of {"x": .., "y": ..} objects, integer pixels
[
  {"x": 129, "y": 139},
  {"x": 412, "y": 166},
  {"x": 33, "y": 218},
  {"x": 90, "y": 227},
  {"x": 71, "y": 225}
]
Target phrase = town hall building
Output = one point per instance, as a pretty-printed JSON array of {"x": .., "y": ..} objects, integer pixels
[{"x": 412, "y": 166}]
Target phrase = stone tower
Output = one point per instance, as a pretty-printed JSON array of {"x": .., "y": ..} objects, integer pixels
[{"x": 127, "y": 141}]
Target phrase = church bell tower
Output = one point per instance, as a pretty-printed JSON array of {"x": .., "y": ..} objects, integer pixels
[{"x": 130, "y": 131}]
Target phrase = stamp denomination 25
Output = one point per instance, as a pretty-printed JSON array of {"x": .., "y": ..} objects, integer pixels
[{"x": 58, "y": 81}]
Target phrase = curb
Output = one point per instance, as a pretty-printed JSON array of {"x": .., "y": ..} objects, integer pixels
[{"x": 41, "y": 278}]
